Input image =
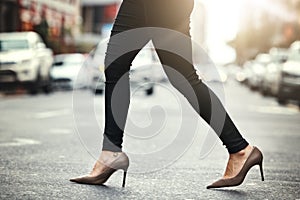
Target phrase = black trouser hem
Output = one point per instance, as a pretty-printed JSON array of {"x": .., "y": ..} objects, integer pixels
[
  {"x": 110, "y": 146},
  {"x": 237, "y": 148}
]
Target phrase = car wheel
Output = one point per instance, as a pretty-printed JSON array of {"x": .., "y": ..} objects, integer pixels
[
  {"x": 33, "y": 90},
  {"x": 149, "y": 91},
  {"x": 47, "y": 87},
  {"x": 252, "y": 88},
  {"x": 98, "y": 91},
  {"x": 281, "y": 101},
  {"x": 264, "y": 91},
  {"x": 34, "y": 87}
]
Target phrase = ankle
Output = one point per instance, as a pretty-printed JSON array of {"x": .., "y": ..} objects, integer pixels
[
  {"x": 109, "y": 153},
  {"x": 242, "y": 153},
  {"x": 108, "y": 156}
]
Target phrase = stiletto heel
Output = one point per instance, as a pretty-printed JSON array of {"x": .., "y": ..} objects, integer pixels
[
  {"x": 121, "y": 162},
  {"x": 261, "y": 171},
  {"x": 255, "y": 158},
  {"x": 124, "y": 178}
]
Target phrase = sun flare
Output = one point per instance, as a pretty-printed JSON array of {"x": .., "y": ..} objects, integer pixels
[{"x": 222, "y": 26}]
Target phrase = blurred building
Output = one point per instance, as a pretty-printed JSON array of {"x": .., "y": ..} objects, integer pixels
[
  {"x": 96, "y": 14},
  {"x": 97, "y": 19},
  {"x": 53, "y": 19},
  {"x": 265, "y": 24},
  {"x": 9, "y": 19},
  {"x": 23, "y": 15}
]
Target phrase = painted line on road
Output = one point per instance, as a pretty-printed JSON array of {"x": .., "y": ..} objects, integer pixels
[
  {"x": 61, "y": 131},
  {"x": 274, "y": 110},
  {"x": 20, "y": 142},
  {"x": 54, "y": 113}
]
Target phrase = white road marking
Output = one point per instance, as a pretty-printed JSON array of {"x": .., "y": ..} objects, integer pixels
[
  {"x": 20, "y": 142},
  {"x": 54, "y": 113},
  {"x": 61, "y": 131},
  {"x": 274, "y": 110}
]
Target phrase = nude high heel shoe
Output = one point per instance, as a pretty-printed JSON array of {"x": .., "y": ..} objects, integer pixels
[
  {"x": 255, "y": 158},
  {"x": 121, "y": 162}
]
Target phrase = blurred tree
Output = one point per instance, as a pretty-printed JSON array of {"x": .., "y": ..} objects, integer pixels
[{"x": 43, "y": 29}]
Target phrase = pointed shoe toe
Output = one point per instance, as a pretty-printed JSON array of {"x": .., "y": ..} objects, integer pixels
[
  {"x": 217, "y": 184},
  {"x": 82, "y": 179},
  {"x": 73, "y": 179},
  {"x": 235, "y": 181}
]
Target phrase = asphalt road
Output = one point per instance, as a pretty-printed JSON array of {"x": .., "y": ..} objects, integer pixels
[{"x": 45, "y": 140}]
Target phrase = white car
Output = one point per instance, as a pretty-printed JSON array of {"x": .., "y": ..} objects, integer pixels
[
  {"x": 245, "y": 73},
  {"x": 258, "y": 69},
  {"x": 141, "y": 71},
  {"x": 272, "y": 76},
  {"x": 95, "y": 68},
  {"x": 289, "y": 88},
  {"x": 68, "y": 71},
  {"x": 24, "y": 61}
]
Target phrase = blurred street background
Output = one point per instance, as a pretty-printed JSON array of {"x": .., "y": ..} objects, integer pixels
[{"x": 52, "y": 103}]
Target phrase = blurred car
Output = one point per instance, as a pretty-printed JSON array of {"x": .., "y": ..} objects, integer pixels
[
  {"x": 244, "y": 74},
  {"x": 95, "y": 68},
  {"x": 232, "y": 71},
  {"x": 289, "y": 88},
  {"x": 25, "y": 61},
  {"x": 67, "y": 71},
  {"x": 257, "y": 70},
  {"x": 141, "y": 71},
  {"x": 272, "y": 75}
]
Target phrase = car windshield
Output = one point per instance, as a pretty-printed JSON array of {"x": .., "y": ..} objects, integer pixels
[{"x": 8, "y": 45}]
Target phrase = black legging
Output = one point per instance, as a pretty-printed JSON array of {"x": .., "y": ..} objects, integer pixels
[{"x": 172, "y": 15}]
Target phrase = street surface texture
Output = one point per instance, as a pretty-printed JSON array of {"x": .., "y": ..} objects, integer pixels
[{"x": 47, "y": 139}]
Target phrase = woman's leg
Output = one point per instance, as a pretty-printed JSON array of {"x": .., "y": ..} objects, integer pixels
[
  {"x": 174, "y": 49},
  {"x": 183, "y": 77},
  {"x": 117, "y": 66},
  {"x": 175, "y": 53}
]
